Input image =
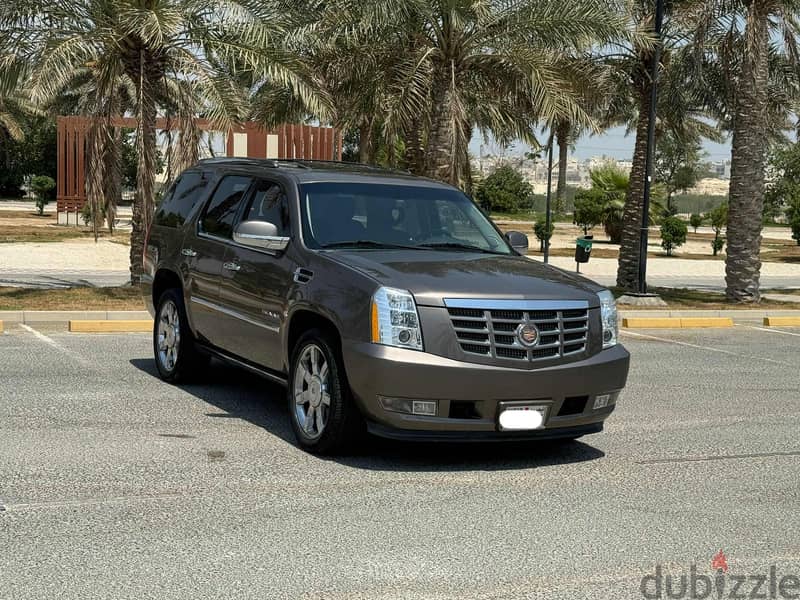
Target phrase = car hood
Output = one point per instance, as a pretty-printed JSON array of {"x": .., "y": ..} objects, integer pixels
[{"x": 433, "y": 275}]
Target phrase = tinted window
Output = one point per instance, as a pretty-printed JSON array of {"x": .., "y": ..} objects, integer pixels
[
  {"x": 269, "y": 203},
  {"x": 349, "y": 214},
  {"x": 224, "y": 204},
  {"x": 180, "y": 200}
]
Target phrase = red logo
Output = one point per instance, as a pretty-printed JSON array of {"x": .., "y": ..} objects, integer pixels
[{"x": 719, "y": 562}]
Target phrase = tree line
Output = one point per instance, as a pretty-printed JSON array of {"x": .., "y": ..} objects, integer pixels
[{"x": 412, "y": 81}]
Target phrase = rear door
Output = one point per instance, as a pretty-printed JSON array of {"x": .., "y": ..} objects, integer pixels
[
  {"x": 255, "y": 282},
  {"x": 204, "y": 249}
]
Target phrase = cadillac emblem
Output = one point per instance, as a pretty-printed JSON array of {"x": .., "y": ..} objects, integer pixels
[{"x": 528, "y": 334}]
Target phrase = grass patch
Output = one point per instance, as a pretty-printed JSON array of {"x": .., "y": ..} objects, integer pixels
[
  {"x": 78, "y": 298},
  {"x": 23, "y": 226},
  {"x": 702, "y": 300},
  {"x": 529, "y": 216}
]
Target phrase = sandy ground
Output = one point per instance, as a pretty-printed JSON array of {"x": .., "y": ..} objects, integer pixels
[
  {"x": 67, "y": 255},
  {"x": 565, "y": 234}
]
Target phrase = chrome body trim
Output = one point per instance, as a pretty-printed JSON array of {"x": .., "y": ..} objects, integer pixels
[
  {"x": 232, "y": 313},
  {"x": 489, "y": 304},
  {"x": 263, "y": 242}
]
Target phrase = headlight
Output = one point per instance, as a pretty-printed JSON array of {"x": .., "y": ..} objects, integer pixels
[
  {"x": 608, "y": 316},
  {"x": 394, "y": 319}
]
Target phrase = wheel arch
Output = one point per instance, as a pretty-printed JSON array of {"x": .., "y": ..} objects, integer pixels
[
  {"x": 302, "y": 320},
  {"x": 163, "y": 280}
]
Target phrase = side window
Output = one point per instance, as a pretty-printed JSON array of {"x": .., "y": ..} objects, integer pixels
[
  {"x": 224, "y": 204},
  {"x": 181, "y": 199},
  {"x": 268, "y": 202}
]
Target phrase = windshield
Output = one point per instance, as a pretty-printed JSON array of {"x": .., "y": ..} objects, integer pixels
[{"x": 366, "y": 215}]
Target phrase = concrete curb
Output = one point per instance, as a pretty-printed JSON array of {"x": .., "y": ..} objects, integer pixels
[
  {"x": 62, "y": 318},
  {"x": 782, "y": 321},
  {"x": 675, "y": 322},
  {"x": 111, "y": 326},
  {"x": 29, "y": 317}
]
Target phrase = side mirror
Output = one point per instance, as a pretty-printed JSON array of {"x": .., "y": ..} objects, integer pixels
[
  {"x": 518, "y": 240},
  {"x": 259, "y": 234}
]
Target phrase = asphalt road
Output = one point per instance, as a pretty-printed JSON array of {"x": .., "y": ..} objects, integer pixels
[{"x": 115, "y": 485}]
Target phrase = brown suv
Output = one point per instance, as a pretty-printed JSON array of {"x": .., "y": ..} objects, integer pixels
[{"x": 383, "y": 302}]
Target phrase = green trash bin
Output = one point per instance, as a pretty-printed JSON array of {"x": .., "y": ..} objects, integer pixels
[{"x": 583, "y": 248}]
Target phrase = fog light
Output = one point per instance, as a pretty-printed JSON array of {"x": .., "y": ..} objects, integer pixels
[
  {"x": 426, "y": 408},
  {"x": 604, "y": 400}
]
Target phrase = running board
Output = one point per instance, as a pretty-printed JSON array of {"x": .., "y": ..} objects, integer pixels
[{"x": 271, "y": 375}]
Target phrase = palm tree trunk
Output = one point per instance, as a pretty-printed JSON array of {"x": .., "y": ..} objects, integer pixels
[
  {"x": 628, "y": 268},
  {"x": 746, "y": 195},
  {"x": 562, "y": 137},
  {"x": 414, "y": 153},
  {"x": 144, "y": 198},
  {"x": 112, "y": 186},
  {"x": 95, "y": 171},
  {"x": 448, "y": 134},
  {"x": 366, "y": 142}
]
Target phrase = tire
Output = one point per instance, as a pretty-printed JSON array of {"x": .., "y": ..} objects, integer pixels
[
  {"x": 323, "y": 390},
  {"x": 174, "y": 351}
]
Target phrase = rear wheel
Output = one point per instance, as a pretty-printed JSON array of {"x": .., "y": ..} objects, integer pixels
[
  {"x": 176, "y": 357},
  {"x": 324, "y": 415}
]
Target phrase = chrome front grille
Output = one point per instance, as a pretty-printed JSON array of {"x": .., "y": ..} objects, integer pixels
[{"x": 489, "y": 328}]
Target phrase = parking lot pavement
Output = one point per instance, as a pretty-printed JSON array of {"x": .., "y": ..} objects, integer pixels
[{"x": 116, "y": 485}]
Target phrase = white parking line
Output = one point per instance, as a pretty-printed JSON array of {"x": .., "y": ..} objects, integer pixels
[
  {"x": 52, "y": 343},
  {"x": 771, "y": 330},
  {"x": 708, "y": 348}
]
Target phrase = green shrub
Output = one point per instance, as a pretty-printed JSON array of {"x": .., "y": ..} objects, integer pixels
[
  {"x": 86, "y": 214},
  {"x": 673, "y": 234},
  {"x": 589, "y": 205},
  {"x": 695, "y": 221},
  {"x": 793, "y": 218},
  {"x": 719, "y": 219},
  {"x": 505, "y": 190},
  {"x": 541, "y": 231},
  {"x": 42, "y": 185}
]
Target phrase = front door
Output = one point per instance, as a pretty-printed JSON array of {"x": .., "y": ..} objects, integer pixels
[
  {"x": 204, "y": 250},
  {"x": 255, "y": 283}
]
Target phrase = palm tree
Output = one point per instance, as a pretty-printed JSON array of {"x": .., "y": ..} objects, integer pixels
[
  {"x": 755, "y": 80},
  {"x": 168, "y": 50},
  {"x": 679, "y": 110},
  {"x": 460, "y": 65},
  {"x": 14, "y": 103}
]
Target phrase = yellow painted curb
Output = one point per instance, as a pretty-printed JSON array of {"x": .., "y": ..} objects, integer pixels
[
  {"x": 110, "y": 326},
  {"x": 1, "y": 327},
  {"x": 768, "y": 321},
  {"x": 675, "y": 322}
]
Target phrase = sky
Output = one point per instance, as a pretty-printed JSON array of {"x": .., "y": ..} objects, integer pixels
[{"x": 613, "y": 144}]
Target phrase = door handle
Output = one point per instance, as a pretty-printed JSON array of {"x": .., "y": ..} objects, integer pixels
[
  {"x": 231, "y": 266},
  {"x": 188, "y": 252}
]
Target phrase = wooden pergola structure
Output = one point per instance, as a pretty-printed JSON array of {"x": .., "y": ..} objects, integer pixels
[{"x": 249, "y": 140}]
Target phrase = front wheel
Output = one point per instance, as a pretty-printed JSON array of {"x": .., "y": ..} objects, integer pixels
[
  {"x": 173, "y": 343},
  {"x": 324, "y": 416}
]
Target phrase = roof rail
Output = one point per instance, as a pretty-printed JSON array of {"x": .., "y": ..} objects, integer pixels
[
  {"x": 312, "y": 162},
  {"x": 301, "y": 163}
]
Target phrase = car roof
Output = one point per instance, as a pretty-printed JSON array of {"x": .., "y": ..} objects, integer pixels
[{"x": 310, "y": 171}]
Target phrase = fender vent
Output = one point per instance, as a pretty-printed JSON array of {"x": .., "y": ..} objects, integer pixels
[{"x": 302, "y": 275}]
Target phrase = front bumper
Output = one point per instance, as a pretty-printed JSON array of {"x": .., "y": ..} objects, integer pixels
[{"x": 469, "y": 395}]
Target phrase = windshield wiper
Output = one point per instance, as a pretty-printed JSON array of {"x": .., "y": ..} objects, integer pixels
[
  {"x": 456, "y": 246},
  {"x": 368, "y": 244}
]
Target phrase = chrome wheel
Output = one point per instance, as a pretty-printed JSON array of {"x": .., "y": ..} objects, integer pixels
[
  {"x": 312, "y": 400},
  {"x": 169, "y": 335}
]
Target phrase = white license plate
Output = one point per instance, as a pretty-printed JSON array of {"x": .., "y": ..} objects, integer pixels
[{"x": 522, "y": 417}]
